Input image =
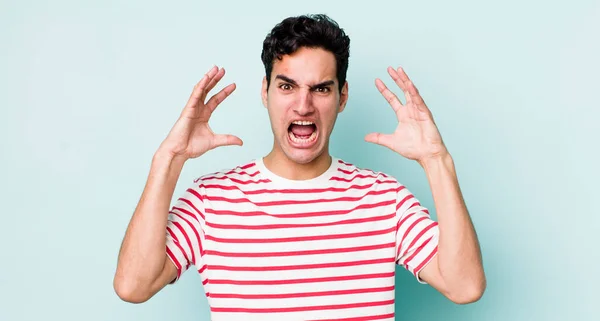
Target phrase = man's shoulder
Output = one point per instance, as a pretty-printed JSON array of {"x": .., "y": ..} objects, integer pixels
[
  {"x": 353, "y": 170},
  {"x": 243, "y": 171}
]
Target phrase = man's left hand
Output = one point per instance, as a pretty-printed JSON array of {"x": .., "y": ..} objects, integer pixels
[{"x": 416, "y": 137}]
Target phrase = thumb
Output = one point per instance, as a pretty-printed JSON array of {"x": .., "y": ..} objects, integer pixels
[
  {"x": 379, "y": 139},
  {"x": 225, "y": 140}
]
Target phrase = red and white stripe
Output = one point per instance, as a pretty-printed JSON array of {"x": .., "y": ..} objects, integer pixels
[{"x": 324, "y": 249}]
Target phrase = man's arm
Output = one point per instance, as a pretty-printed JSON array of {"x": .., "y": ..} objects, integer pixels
[
  {"x": 143, "y": 267},
  {"x": 456, "y": 271}
]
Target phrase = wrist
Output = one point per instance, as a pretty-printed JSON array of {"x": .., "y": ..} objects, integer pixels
[
  {"x": 165, "y": 158},
  {"x": 440, "y": 160}
]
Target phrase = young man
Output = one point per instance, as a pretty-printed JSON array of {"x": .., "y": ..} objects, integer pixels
[{"x": 299, "y": 234}]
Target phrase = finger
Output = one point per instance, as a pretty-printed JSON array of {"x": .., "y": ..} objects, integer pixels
[
  {"x": 197, "y": 92},
  {"x": 388, "y": 95},
  {"x": 416, "y": 97},
  {"x": 401, "y": 83},
  {"x": 412, "y": 90},
  {"x": 213, "y": 82},
  {"x": 218, "y": 98},
  {"x": 210, "y": 74},
  {"x": 380, "y": 139},
  {"x": 226, "y": 140},
  {"x": 396, "y": 77},
  {"x": 403, "y": 76}
]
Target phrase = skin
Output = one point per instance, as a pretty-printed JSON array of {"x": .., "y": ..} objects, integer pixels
[
  {"x": 143, "y": 268},
  {"x": 303, "y": 86},
  {"x": 417, "y": 137}
]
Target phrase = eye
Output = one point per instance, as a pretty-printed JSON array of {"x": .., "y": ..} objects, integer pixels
[
  {"x": 285, "y": 86},
  {"x": 322, "y": 89}
]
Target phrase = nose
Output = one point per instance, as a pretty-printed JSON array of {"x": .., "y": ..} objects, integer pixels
[{"x": 304, "y": 103}]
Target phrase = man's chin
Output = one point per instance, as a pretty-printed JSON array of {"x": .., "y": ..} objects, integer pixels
[{"x": 303, "y": 156}]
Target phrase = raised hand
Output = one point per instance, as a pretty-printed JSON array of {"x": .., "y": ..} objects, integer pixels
[
  {"x": 191, "y": 135},
  {"x": 416, "y": 137}
]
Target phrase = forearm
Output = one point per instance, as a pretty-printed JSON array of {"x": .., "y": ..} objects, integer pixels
[
  {"x": 142, "y": 255},
  {"x": 459, "y": 255}
]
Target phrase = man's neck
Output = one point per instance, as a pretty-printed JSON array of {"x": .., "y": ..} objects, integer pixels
[{"x": 279, "y": 164}]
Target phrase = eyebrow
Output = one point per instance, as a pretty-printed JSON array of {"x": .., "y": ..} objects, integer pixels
[{"x": 293, "y": 82}]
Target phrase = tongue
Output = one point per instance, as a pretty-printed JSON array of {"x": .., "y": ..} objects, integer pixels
[{"x": 302, "y": 130}]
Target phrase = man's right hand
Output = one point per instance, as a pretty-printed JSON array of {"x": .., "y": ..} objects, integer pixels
[
  {"x": 191, "y": 135},
  {"x": 143, "y": 267}
]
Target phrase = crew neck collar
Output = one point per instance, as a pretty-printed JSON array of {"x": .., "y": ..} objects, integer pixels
[{"x": 279, "y": 180}]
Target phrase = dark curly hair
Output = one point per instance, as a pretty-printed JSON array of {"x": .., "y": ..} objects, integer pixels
[{"x": 312, "y": 31}]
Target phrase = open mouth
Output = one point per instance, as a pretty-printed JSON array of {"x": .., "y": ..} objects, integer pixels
[{"x": 302, "y": 132}]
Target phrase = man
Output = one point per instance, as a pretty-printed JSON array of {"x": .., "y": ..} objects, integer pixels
[{"x": 299, "y": 234}]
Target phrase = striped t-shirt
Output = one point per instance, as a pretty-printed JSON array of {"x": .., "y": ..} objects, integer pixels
[{"x": 269, "y": 248}]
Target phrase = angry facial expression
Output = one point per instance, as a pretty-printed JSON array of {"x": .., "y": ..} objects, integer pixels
[{"x": 303, "y": 101}]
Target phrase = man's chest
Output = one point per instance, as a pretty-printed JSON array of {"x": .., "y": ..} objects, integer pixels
[
  {"x": 281, "y": 234},
  {"x": 323, "y": 252}
]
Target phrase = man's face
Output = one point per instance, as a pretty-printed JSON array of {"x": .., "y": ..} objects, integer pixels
[{"x": 303, "y": 100}]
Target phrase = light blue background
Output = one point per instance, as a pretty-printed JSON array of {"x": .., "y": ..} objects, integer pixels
[{"x": 88, "y": 90}]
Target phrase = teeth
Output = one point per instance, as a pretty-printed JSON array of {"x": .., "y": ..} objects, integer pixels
[
  {"x": 309, "y": 139},
  {"x": 302, "y": 122}
]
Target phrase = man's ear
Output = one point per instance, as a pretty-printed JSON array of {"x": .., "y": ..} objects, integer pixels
[
  {"x": 343, "y": 97},
  {"x": 263, "y": 92}
]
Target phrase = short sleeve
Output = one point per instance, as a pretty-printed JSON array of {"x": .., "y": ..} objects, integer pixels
[
  {"x": 417, "y": 235},
  {"x": 185, "y": 230}
]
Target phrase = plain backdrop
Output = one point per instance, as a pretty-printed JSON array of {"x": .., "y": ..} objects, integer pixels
[{"x": 89, "y": 89}]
